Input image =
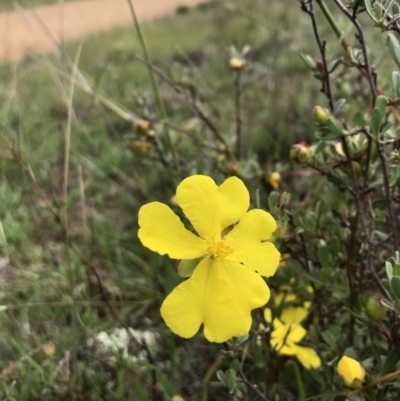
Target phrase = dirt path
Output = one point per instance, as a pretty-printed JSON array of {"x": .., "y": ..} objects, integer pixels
[{"x": 21, "y": 33}]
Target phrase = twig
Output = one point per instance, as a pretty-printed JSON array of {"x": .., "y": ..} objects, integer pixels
[
  {"x": 238, "y": 115},
  {"x": 389, "y": 376},
  {"x": 326, "y": 85},
  {"x": 252, "y": 386},
  {"x": 156, "y": 89},
  {"x": 360, "y": 36},
  {"x": 391, "y": 216},
  {"x": 209, "y": 374},
  {"x": 194, "y": 104}
]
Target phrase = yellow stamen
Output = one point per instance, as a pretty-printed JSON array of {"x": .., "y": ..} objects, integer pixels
[{"x": 218, "y": 250}]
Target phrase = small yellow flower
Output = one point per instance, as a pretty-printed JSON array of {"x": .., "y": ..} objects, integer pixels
[
  {"x": 226, "y": 284},
  {"x": 351, "y": 372},
  {"x": 287, "y": 333},
  {"x": 274, "y": 179},
  {"x": 237, "y": 63},
  {"x": 177, "y": 398}
]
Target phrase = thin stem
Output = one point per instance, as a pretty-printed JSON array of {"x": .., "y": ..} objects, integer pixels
[
  {"x": 156, "y": 89},
  {"x": 326, "y": 84},
  {"x": 209, "y": 374},
  {"x": 299, "y": 382},
  {"x": 360, "y": 35},
  {"x": 195, "y": 106},
  {"x": 389, "y": 376},
  {"x": 392, "y": 216},
  {"x": 252, "y": 386},
  {"x": 329, "y": 17},
  {"x": 238, "y": 116}
]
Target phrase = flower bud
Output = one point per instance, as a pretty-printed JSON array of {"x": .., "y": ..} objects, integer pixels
[
  {"x": 237, "y": 63},
  {"x": 274, "y": 180},
  {"x": 321, "y": 115},
  {"x": 375, "y": 310},
  {"x": 140, "y": 147},
  {"x": 141, "y": 126},
  {"x": 300, "y": 153},
  {"x": 233, "y": 167},
  {"x": 351, "y": 372},
  {"x": 319, "y": 65},
  {"x": 46, "y": 351}
]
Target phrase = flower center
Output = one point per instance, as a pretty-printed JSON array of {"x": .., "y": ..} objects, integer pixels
[{"x": 218, "y": 250}]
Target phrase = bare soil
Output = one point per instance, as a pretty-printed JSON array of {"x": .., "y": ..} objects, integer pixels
[{"x": 39, "y": 30}]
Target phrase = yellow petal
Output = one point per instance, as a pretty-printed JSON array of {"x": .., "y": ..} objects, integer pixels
[
  {"x": 307, "y": 357},
  {"x": 220, "y": 295},
  {"x": 285, "y": 334},
  {"x": 294, "y": 315},
  {"x": 267, "y": 315},
  {"x": 351, "y": 371},
  {"x": 162, "y": 231},
  {"x": 289, "y": 349},
  {"x": 246, "y": 241},
  {"x": 210, "y": 208},
  {"x": 284, "y": 297}
]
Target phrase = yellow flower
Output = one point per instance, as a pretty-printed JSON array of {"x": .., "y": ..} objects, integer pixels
[
  {"x": 286, "y": 296},
  {"x": 237, "y": 63},
  {"x": 274, "y": 179},
  {"x": 226, "y": 284},
  {"x": 351, "y": 372},
  {"x": 287, "y": 333}
]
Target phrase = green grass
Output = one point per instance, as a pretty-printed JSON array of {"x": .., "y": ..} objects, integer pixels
[{"x": 51, "y": 291}]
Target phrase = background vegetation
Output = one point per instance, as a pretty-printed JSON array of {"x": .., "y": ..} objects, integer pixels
[{"x": 78, "y": 159}]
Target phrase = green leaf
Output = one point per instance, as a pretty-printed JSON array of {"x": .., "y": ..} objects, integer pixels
[
  {"x": 381, "y": 104},
  {"x": 334, "y": 64},
  {"x": 308, "y": 61},
  {"x": 320, "y": 147},
  {"x": 394, "y": 48},
  {"x": 334, "y": 127},
  {"x": 359, "y": 119},
  {"x": 396, "y": 83},
  {"x": 240, "y": 340},
  {"x": 230, "y": 380},
  {"x": 338, "y": 105},
  {"x": 378, "y": 9},
  {"x": 323, "y": 256},
  {"x": 235, "y": 365},
  {"x": 387, "y": 303},
  {"x": 376, "y": 121},
  {"x": 273, "y": 201},
  {"x": 395, "y": 284},
  {"x": 333, "y": 246},
  {"x": 388, "y": 7},
  {"x": 221, "y": 376},
  {"x": 390, "y": 362},
  {"x": 396, "y": 270},
  {"x": 329, "y": 338},
  {"x": 386, "y": 283},
  {"x": 389, "y": 270},
  {"x": 370, "y": 11},
  {"x": 361, "y": 300},
  {"x": 325, "y": 275}
]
